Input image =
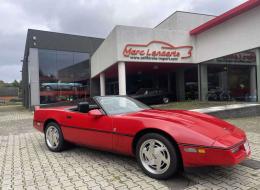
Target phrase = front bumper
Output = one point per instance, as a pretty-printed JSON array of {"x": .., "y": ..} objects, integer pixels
[{"x": 213, "y": 156}]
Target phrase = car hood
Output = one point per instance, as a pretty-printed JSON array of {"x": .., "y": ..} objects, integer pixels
[{"x": 222, "y": 133}]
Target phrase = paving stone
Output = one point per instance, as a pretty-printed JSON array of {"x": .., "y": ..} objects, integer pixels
[{"x": 26, "y": 163}]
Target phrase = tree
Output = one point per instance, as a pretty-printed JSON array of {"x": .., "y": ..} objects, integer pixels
[
  {"x": 15, "y": 83},
  {"x": 2, "y": 83}
]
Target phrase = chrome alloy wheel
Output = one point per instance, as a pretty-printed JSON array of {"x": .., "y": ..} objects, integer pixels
[
  {"x": 166, "y": 100},
  {"x": 52, "y": 137},
  {"x": 154, "y": 156}
]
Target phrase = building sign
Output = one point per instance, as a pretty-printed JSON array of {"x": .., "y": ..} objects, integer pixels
[
  {"x": 242, "y": 57},
  {"x": 157, "y": 51}
]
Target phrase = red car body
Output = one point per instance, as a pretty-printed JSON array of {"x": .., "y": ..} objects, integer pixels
[{"x": 215, "y": 141}]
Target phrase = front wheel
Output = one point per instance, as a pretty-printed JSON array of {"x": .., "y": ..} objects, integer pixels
[
  {"x": 157, "y": 156},
  {"x": 166, "y": 100},
  {"x": 54, "y": 137}
]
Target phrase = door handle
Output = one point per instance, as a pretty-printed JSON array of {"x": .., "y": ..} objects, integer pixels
[{"x": 69, "y": 116}]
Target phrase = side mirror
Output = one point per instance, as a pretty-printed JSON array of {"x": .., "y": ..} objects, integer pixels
[{"x": 95, "y": 113}]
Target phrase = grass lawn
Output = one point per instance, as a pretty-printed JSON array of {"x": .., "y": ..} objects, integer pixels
[
  {"x": 11, "y": 104},
  {"x": 187, "y": 105},
  {"x": 13, "y": 107}
]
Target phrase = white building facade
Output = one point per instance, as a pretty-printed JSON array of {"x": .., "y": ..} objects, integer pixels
[{"x": 194, "y": 56}]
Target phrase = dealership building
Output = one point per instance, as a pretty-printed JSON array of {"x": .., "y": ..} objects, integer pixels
[{"x": 190, "y": 55}]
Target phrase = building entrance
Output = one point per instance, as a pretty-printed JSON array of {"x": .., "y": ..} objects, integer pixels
[{"x": 176, "y": 81}]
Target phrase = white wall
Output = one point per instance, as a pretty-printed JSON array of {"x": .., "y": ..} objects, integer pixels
[
  {"x": 33, "y": 69},
  {"x": 237, "y": 34},
  {"x": 174, "y": 30},
  {"x": 138, "y": 35},
  {"x": 184, "y": 21},
  {"x": 105, "y": 55},
  {"x": 111, "y": 50}
]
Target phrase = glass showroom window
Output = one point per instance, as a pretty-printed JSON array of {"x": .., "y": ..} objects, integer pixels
[
  {"x": 64, "y": 76},
  {"x": 232, "y": 77}
]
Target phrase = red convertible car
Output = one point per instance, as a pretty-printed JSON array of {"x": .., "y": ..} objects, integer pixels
[{"x": 163, "y": 141}]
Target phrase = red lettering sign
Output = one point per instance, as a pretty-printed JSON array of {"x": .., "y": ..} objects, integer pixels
[{"x": 157, "y": 49}]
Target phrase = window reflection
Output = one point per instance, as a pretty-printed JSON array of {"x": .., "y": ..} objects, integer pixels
[
  {"x": 64, "y": 76},
  {"x": 232, "y": 77}
]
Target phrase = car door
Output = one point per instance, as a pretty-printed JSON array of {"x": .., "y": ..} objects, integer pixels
[
  {"x": 84, "y": 129},
  {"x": 153, "y": 96},
  {"x": 147, "y": 97}
]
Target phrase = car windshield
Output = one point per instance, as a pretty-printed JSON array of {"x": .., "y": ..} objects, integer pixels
[
  {"x": 142, "y": 91},
  {"x": 114, "y": 105}
]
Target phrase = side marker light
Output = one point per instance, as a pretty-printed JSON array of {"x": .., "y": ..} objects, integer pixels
[
  {"x": 195, "y": 150},
  {"x": 201, "y": 150}
]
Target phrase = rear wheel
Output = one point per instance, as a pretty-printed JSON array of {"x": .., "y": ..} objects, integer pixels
[
  {"x": 54, "y": 137},
  {"x": 157, "y": 156}
]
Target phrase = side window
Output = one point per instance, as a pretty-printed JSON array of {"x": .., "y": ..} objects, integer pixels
[{"x": 153, "y": 92}]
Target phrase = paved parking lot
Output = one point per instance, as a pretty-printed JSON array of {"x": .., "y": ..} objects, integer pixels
[{"x": 25, "y": 163}]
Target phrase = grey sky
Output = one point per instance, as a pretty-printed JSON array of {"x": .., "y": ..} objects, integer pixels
[{"x": 85, "y": 17}]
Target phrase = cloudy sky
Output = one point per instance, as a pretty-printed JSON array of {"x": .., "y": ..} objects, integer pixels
[{"x": 85, "y": 17}]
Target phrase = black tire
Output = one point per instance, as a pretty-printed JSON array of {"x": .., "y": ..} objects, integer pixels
[
  {"x": 174, "y": 157},
  {"x": 62, "y": 143}
]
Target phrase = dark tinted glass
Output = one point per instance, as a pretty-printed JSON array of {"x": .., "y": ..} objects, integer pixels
[
  {"x": 47, "y": 66},
  {"x": 64, "y": 76},
  {"x": 232, "y": 77}
]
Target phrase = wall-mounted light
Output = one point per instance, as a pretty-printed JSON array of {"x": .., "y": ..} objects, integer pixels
[{"x": 34, "y": 40}]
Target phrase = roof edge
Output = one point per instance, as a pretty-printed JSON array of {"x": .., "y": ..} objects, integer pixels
[
  {"x": 30, "y": 30},
  {"x": 248, "y": 5},
  {"x": 187, "y": 12}
]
